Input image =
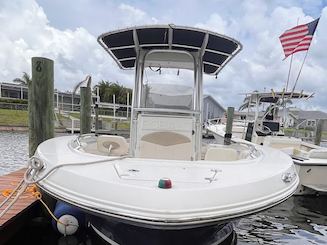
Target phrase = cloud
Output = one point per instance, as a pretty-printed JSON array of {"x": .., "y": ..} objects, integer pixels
[
  {"x": 260, "y": 64},
  {"x": 214, "y": 23},
  {"x": 135, "y": 16},
  {"x": 26, "y": 32},
  {"x": 69, "y": 38}
]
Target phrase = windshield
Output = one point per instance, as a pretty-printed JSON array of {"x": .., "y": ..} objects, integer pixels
[{"x": 168, "y": 88}]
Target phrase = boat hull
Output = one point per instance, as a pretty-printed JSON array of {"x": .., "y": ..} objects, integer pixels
[
  {"x": 312, "y": 171},
  {"x": 203, "y": 192},
  {"x": 312, "y": 178},
  {"x": 109, "y": 231}
]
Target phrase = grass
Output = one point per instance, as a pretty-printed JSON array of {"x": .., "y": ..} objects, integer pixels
[
  {"x": 13, "y": 117},
  {"x": 289, "y": 131},
  {"x": 74, "y": 114},
  {"x": 121, "y": 125}
]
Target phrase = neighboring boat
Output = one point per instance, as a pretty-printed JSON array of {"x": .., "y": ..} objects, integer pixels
[
  {"x": 217, "y": 126},
  {"x": 164, "y": 178},
  {"x": 310, "y": 160}
]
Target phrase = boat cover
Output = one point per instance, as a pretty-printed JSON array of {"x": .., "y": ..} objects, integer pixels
[{"x": 123, "y": 44}]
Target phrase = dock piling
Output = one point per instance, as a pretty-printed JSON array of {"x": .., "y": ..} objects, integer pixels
[
  {"x": 229, "y": 126},
  {"x": 85, "y": 113},
  {"x": 40, "y": 103}
]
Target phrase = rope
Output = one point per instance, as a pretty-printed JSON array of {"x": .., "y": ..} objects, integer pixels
[
  {"x": 20, "y": 189},
  {"x": 35, "y": 166},
  {"x": 38, "y": 196},
  {"x": 11, "y": 193},
  {"x": 30, "y": 180},
  {"x": 19, "y": 193},
  {"x": 35, "y": 193}
]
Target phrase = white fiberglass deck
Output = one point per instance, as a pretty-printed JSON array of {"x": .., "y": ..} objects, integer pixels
[{"x": 203, "y": 191}]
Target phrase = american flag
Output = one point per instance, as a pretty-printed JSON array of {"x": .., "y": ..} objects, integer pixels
[{"x": 298, "y": 38}]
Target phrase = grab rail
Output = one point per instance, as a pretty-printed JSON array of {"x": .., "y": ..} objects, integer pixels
[{"x": 166, "y": 110}]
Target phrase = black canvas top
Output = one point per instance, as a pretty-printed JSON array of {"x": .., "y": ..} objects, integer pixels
[
  {"x": 273, "y": 97},
  {"x": 217, "y": 49}
]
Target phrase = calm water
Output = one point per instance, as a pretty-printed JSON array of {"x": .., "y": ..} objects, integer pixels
[
  {"x": 299, "y": 220},
  {"x": 13, "y": 151}
]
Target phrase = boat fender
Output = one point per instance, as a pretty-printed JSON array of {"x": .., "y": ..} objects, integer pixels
[{"x": 67, "y": 214}]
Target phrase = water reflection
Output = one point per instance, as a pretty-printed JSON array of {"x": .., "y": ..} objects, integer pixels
[
  {"x": 299, "y": 220},
  {"x": 13, "y": 151}
]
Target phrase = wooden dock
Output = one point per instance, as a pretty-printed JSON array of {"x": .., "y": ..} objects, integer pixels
[{"x": 23, "y": 210}]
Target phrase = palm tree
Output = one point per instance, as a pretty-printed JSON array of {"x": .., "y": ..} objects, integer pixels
[
  {"x": 24, "y": 80},
  {"x": 108, "y": 89}
]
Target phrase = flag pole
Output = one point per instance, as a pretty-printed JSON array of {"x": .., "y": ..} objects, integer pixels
[
  {"x": 286, "y": 87},
  {"x": 290, "y": 68},
  {"x": 306, "y": 54},
  {"x": 289, "y": 73},
  {"x": 298, "y": 75},
  {"x": 285, "y": 90}
]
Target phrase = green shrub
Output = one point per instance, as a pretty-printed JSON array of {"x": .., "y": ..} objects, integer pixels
[{"x": 13, "y": 101}]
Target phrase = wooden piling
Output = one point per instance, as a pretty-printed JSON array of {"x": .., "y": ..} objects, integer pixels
[
  {"x": 85, "y": 111},
  {"x": 40, "y": 103},
  {"x": 229, "y": 126},
  {"x": 319, "y": 127}
]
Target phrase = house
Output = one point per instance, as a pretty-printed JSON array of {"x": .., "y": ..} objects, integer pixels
[
  {"x": 211, "y": 108},
  {"x": 12, "y": 90},
  {"x": 62, "y": 100},
  {"x": 304, "y": 118}
]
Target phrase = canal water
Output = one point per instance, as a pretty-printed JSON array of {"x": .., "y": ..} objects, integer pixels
[{"x": 299, "y": 220}]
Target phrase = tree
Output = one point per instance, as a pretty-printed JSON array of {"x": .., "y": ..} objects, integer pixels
[
  {"x": 24, "y": 80},
  {"x": 108, "y": 89}
]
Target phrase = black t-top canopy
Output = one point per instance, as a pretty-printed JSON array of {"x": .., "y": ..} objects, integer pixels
[
  {"x": 275, "y": 96},
  {"x": 271, "y": 97},
  {"x": 217, "y": 49}
]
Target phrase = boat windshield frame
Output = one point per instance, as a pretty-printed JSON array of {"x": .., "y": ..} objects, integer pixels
[{"x": 194, "y": 112}]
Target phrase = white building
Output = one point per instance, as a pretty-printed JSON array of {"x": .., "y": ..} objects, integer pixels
[{"x": 211, "y": 108}]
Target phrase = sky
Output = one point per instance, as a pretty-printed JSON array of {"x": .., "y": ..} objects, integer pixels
[{"x": 67, "y": 31}]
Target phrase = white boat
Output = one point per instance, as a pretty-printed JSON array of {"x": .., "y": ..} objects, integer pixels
[
  {"x": 163, "y": 178},
  {"x": 217, "y": 126},
  {"x": 310, "y": 160}
]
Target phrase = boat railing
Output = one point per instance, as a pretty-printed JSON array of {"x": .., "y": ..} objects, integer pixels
[
  {"x": 158, "y": 110},
  {"x": 253, "y": 151},
  {"x": 264, "y": 129},
  {"x": 296, "y": 131},
  {"x": 82, "y": 137}
]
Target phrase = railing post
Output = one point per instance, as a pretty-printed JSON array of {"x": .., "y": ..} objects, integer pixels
[
  {"x": 72, "y": 102},
  {"x": 96, "y": 111},
  {"x": 40, "y": 103},
  {"x": 72, "y": 128},
  {"x": 114, "y": 101},
  {"x": 57, "y": 97},
  {"x": 319, "y": 131},
  {"x": 127, "y": 108}
]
